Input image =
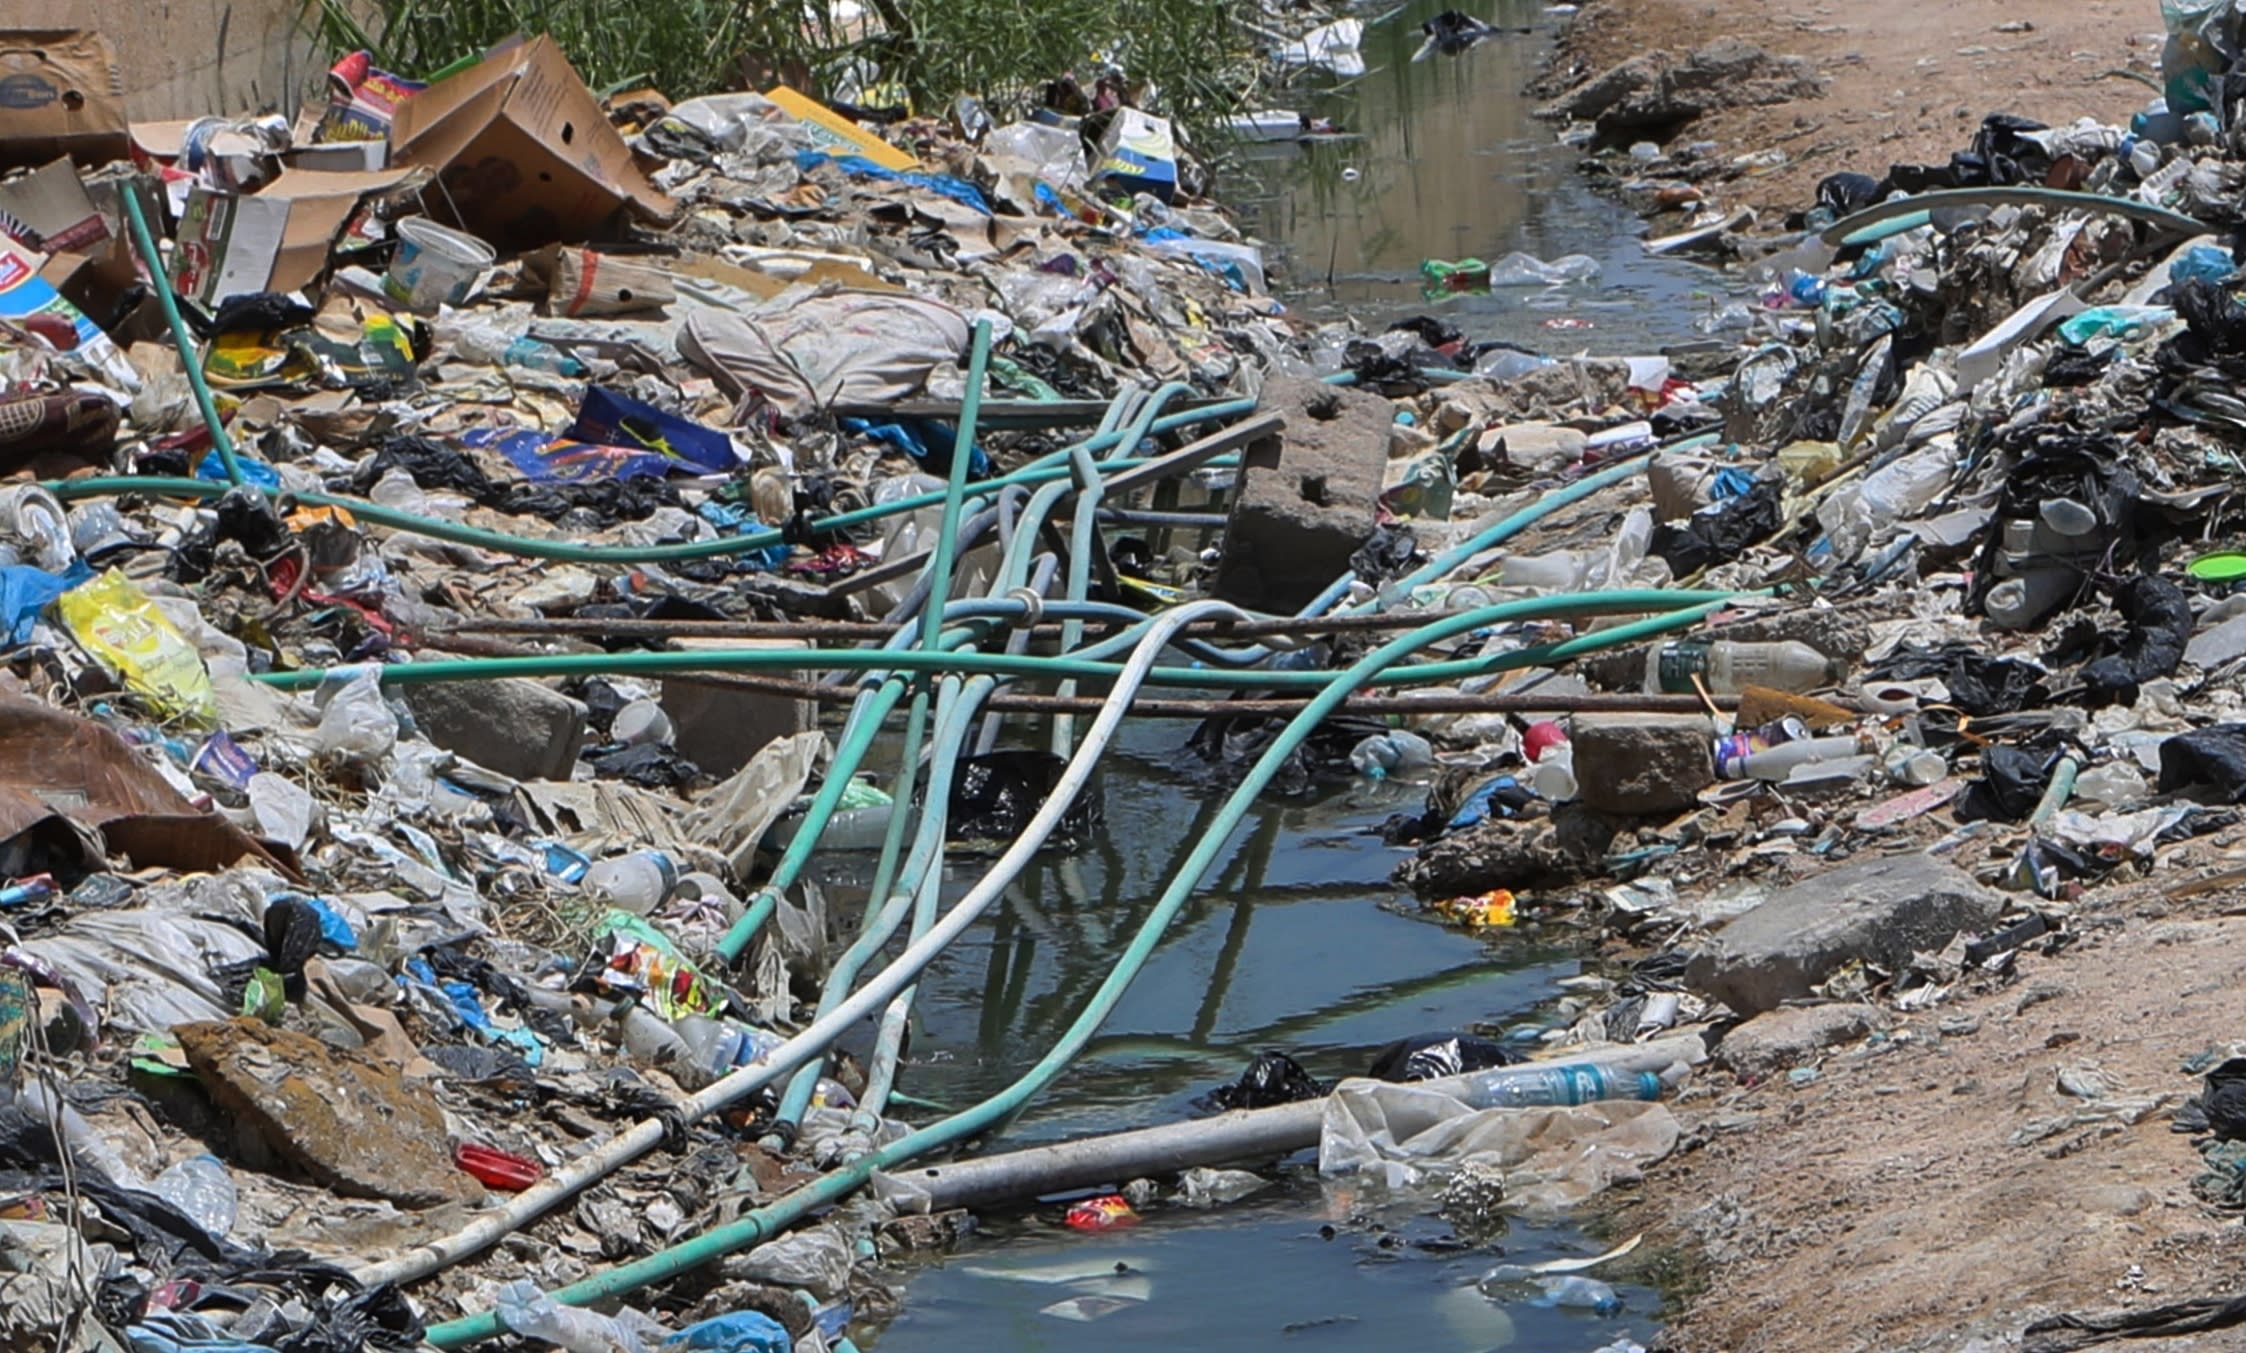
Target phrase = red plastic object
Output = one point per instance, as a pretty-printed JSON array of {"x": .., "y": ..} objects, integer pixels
[
  {"x": 502, "y": 1170},
  {"x": 1102, "y": 1214},
  {"x": 1540, "y": 738}
]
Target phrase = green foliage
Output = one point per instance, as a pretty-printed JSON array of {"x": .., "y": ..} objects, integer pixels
[{"x": 932, "y": 50}]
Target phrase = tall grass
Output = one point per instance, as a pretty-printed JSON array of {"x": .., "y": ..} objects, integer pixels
[{"x": 929, "y": 50}]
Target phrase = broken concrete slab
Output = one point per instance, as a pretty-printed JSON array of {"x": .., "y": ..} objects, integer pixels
[
  {"x": 1662, "y": 90},
  {"x": 1639, "y": 765},
  {"x": 514, "y": 726},
  {"x": 346, "y": 1119},
  {"x": 1506, "y": 853},
  {"x": 1782, "y": 1039},
  {"x": 720, "y": 722},
  {"x": 1307, "y": 498},
  {"x": 1878, "y": 909}
]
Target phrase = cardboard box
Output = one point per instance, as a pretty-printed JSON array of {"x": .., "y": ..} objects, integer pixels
[
  {"x": 60, "y": 94},
  {"x": 1139, "y": 154},
  {"x": 274, "y": 240},
  {"x": 25, "y": 291},
  {"x": 52, "y": 203},
  {"x": 524, "y": 156},
  {"x": 836, "y": 134}
]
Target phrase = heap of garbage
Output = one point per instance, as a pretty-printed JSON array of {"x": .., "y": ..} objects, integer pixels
[{"x": 433, "y": 531}]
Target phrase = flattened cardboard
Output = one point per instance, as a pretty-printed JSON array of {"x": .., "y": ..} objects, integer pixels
[
  {"x": 524, "y": 156},
  {"x": 60, "y": 94},
  {"x": 274, "y": 240},
  {"x": 836, "y": 134}
]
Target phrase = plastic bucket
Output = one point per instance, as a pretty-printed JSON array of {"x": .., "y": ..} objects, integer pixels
[{"x": 433, "y": 265}]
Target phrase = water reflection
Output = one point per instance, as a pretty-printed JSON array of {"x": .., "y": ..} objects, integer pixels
[{"x": 1449, "y": 163}]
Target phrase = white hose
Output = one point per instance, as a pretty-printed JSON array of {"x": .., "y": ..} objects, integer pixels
[{"x": 636, "y": 1141}]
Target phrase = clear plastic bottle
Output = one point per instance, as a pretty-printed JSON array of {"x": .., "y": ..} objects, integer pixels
[
  {"x": 1523, "y": 1087},
  {"x": 201, "y": 1187},
  {"x": 1581, "y": 1293},
  {"x": 637, "y": 883},
  {"x": 1776, "y": 763},
  {"x": 1729, "y": 666},
  {"x": 1397, "y": 752},
  {"x": 527, "y": 1311}
]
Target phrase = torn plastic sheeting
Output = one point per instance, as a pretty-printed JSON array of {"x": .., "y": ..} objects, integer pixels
[
  {"x": 611, "y": 419},
  {"x": 544, "y": 458},
  {"x": 733, "y": 818},
  {"x": 847, "y": 347},
  {"x": 26, "y": 591},
  {"x": 53, "y": 763},
  {"x": 1551, "y": 1158},
  {"x": 148, "y": 969},
  {"x": 958, "y": 190}
]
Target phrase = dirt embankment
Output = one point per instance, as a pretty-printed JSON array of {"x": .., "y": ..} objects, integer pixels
[{"x": 1908, "y": 80}]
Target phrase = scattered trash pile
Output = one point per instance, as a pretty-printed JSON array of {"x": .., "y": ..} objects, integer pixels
[{"x": 434, "y": 530}]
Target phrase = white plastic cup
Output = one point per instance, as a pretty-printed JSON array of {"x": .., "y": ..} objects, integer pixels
[
  {"x": 641, "y": 722},
  {"x": 434, "y": 266}
]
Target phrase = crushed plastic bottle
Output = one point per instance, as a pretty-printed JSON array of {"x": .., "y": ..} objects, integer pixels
[
  {"x": 530, "y": 1312},
  {"x": 637, "y": 883},
  {"x": 201, "y": 1187},
  {"x": 1577, "y": 1292},
  {"x": 1396, "y": 752}
]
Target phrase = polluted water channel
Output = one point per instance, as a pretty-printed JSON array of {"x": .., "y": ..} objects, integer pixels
[
  {"x": 1299, "y": 943},
  {"x": 1442, "y": 158}
]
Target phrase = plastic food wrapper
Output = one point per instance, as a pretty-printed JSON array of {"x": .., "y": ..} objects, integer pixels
[
  {"x": 682, "y": 444},
  {"x": 1550, "y": 1158},
  {"x": 544, "y": 458},
  {"x": 129, "y": 636},
  {"x": 1106, "y": 1213},
  {"x": 642, "y": 961},
  {"x": 362, "y": 100}
]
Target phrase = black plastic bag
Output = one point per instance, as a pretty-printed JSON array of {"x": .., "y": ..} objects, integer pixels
[
  {"x": 1979, "y": 685},
  {"x": 994, "y": 796},
  {"x": 1273, "y": 1078},
  {"x": 1721, "y": 533},
  {"x": 2211, "y": 761},
  {"x": 2012, "y": 784},
  {"x": 1426, "y": 1057},
  {"x": 1846, "y": 194},
  {"x": 2160, "y": 624}
]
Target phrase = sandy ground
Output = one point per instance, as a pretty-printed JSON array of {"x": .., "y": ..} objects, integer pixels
[
  {"x": 1910, "y": 79},
  {"x": 1906, "y": 1198}
]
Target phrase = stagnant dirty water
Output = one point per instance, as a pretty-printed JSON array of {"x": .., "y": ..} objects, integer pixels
[
  {"x": 1301, "y": 943},
  {"x": 1444, "y": 160}
]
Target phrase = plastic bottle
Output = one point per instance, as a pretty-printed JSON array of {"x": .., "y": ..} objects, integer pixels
[
  {"x": 2023, "y": 602},
  {"x": 530, "y": 354},
  {"x": 1909, "y": 765},
  {"x": 1579, "y": 1292},
  {"x": 1524, "y": 1087},
  {"x": 1553, "y": 779},
  {"x": 527, "y": 1311},
  {"x": 651, "y": 1041},
  {"x": 1729, "y": 666},
  {"x": 1776, "y": 763},
  {"x": 201, "y": 1187},
  {"x": 636, "y": 883},
  {"x": 1396, "y": 752}
]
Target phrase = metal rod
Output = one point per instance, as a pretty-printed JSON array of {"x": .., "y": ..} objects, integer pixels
[
  {"x": 1626, "y": 702},
  {"x": 847, "y": 631}
]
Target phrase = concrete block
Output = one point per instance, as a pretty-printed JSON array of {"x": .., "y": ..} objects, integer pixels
[
  {"x": 1780, "y": 1040},
  {"x": 1878, "y": 909},
  {"x": 514, "y": 726},
  {"x": 720, "y": 723},
  {"x": 1639, "y": 765},
  {"x": 1306, "y": 499}
]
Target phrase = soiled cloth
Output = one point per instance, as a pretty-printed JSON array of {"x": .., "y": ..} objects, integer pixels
[
  {"x": 1550, "y": 1158},
  {"x": 843, "y": 347}
]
